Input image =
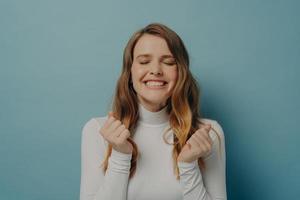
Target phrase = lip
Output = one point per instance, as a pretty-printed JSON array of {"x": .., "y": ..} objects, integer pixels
[
  {"x": 158, "y": 80},
  {"x": 156, "y": 87}
]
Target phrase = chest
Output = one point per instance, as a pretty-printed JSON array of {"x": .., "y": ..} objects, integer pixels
[{"x": 154, "y": 177}]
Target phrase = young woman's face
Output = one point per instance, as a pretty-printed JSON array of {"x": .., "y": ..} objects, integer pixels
[{"x": 154, "y": 71}]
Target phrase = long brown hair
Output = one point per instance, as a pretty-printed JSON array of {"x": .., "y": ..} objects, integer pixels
[{"x": 182, "y": 106}]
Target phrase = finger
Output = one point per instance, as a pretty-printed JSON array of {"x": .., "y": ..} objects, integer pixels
[
  {"x": 210, "y": 140},
  {"x": 193, "y": 143},
  {"x": 124, "y": 135},
  {"x": 203, "y": 133},
  {"x": 207, "y": 127},
  {"x": 207, "y": 144},
  {"x": 189, "y": 145},
  {"x": 208, "y": 136},
  {"x": 110, "y": 119},
  {"x": 111, "y": 114},
  {"x": 114, "y": 125},
  {"x": 118, "y": 131},
  {"x": 104, "y": 130},
  {"x": 206, "y": 148},
  {"x": 203, "y": 143},
  {"x": 198, "y": 139},
  {"x": 204, "y": 137}
]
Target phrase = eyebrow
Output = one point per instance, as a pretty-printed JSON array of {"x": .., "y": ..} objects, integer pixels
[{"x": 149, "y": 55}]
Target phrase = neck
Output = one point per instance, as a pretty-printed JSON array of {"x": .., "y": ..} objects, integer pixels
[
  {"x": 152, "y": 106},
  {"x": 153, "y": 118}
]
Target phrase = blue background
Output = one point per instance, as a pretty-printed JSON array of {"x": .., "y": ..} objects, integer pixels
[{"x": 60, "y": 60}]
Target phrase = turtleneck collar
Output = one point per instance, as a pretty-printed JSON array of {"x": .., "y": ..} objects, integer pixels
[{"x": 153, "y": 118}]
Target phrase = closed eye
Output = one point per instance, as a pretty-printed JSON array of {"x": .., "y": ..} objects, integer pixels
[
  {"x": 170, "y": 63},
  {"x": 167, "y": 63},
  {"x": 143, "y": 63}
]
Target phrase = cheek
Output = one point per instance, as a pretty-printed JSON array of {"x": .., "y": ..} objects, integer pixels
[
  {"x": 173, "y": 79},
  {"x": 173, "y": 75},
  {"x": 133, "y": 72},
  {"x": 136, "y": 73}
]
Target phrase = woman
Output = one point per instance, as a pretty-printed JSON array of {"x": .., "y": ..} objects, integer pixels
[{"x": 154, "y": 144}]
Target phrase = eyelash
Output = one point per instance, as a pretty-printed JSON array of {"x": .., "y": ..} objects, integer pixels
[{"x": 143, "y": 63}]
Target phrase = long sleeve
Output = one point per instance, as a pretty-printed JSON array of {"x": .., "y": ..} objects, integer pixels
[
  {"x": 211, "y": 183},
  {"x": 94, "y": 184}
]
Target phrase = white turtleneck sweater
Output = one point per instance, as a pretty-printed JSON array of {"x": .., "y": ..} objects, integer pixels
[{"x": 154, "y": 178}]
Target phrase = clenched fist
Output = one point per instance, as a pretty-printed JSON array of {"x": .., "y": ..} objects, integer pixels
[
  {"x": 198, "y": 145},
  {"x": 116, "y": 134}
]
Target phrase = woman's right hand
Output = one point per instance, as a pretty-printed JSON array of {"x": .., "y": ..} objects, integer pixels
[{"x": 116, "y": 134}]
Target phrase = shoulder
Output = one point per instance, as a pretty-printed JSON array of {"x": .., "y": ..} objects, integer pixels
[
  {"x": 100, "y": 120},
  {"x": 91, "y": 128},
  {"x": 94, "y": 123}
]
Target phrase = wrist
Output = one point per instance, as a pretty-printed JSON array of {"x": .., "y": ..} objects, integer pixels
[
  {"x": 180, "y": 159},
  {"x": 120, "y": 155},
  {"x": 123, "y": 150}
]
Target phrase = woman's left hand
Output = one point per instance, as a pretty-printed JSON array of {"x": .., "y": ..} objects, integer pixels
[{"x": 198, "y": 145}]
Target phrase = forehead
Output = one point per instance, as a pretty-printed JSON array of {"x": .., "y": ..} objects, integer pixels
[{"x": 151, "y": 45}]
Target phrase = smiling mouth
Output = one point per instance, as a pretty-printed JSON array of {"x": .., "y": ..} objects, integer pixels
[{"x": 155, "y": 84}]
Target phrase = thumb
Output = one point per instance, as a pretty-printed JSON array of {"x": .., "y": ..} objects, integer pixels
[
  {"x": 110, "y": 114},
  {"x": 189, "y": 145},
  {"x": 207, "y": 127}
]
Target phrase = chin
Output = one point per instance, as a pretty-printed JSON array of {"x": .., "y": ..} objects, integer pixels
[{"x": 155, "y": 99}]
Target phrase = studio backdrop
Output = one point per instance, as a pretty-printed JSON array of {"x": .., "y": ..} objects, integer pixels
[{"x": 60, "y": 59}]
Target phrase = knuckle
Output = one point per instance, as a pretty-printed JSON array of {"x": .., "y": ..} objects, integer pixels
[
  {"x": 206, "y": 149},
  {"x": 198, "y": 136},
  {"x": 204, "y": 130},
  {"x": 112, "y": 118},
  {"x": 199, "y": 130},
  {"x": 127, "y": 134},
  {"x": 194, "y": 136},
  {"x": 206, "y": 136},
  {"x": 118, "y": 142},
  {"x": 202, "y": 126},
  {"x": 123, "y": 126},
  {"x": 209, "y": 145}
]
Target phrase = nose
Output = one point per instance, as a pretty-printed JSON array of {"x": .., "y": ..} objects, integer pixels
[{"x": 156, "y": 69}]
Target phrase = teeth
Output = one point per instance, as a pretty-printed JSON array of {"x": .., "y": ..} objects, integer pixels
[{"x": 154, "y": 83}]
